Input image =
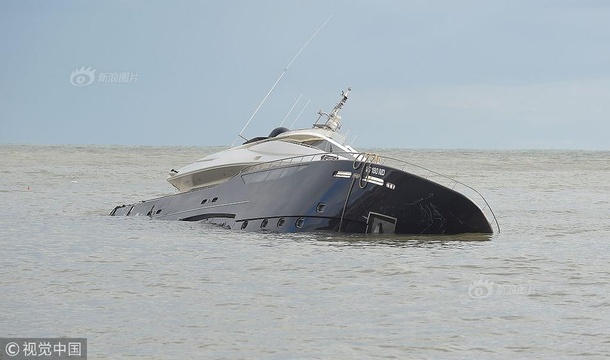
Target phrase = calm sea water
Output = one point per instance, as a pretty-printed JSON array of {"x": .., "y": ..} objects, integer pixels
[{"x": 146, "y": 289}]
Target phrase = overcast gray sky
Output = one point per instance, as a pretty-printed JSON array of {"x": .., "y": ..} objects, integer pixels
[{"x": 425, "y": 74}]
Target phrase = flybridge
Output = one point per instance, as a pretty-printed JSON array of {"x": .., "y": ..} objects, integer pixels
[{"x": 281, "y": 143}]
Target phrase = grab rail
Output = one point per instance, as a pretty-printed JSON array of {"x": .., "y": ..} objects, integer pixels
[{"x": 371, "y": 158}]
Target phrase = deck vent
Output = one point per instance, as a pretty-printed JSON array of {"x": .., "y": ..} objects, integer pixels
[
  {"x": 390, "y": 186},
  {"x": 342, "y": 174}
]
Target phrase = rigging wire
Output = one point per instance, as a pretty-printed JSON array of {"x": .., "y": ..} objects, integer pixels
[
  {"x": 292, "y": 108},
  {"x": 298, "y": 116}
]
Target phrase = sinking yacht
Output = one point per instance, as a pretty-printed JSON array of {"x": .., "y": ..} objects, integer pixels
[{"x": 310, "y": 180}]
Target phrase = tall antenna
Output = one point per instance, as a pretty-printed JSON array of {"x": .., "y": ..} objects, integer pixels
[{"x": 278, "y": 80}]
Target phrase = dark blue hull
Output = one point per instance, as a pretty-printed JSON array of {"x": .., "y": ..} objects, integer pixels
[{"x": 323, "y": 196}]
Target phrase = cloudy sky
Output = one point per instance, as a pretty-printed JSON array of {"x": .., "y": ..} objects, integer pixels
[{"x": 479, "y": 74}]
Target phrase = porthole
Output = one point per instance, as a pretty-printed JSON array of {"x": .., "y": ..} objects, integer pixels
[
  {"x": 320, "y": 208},
  {"x": 158, "y": 211},
  {"x": 215, "y": 199},
  {"x": 299, "y": 223},
  {"x": 264, "y": 223},
  {"x": 204, "y": 201},
  {"x": 244, "y": 224},
  {"x": 281, "y": 222}
]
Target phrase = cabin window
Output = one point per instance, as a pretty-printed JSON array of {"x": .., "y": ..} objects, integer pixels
[
  {"x": 281, "y": 222},
  {"x": 244, "y": 224},
  {"x": 291, "y": 170},
  {"x": 215, "y": 199},
  {"x": 264, "y": 223},
  {"x": 255, "y": 177},
  {"x": 321, "y": 207},
  {"x": 269, "y": 175},
  {"x": 204, "y": 201},
  {"x": 299, "y": 223},
  {"x": 274, "y": 174}
]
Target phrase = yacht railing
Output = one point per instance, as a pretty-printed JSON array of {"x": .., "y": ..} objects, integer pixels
[{"x": 367, "y": 159}]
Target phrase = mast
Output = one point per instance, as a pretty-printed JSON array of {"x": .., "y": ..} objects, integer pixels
[{"x": 334, "y": 119}]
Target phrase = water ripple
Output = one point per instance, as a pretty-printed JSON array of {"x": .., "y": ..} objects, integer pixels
[{"x": 153, "y": 290}]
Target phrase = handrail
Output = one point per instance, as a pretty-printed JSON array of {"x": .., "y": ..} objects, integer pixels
[{"x": 371, "y": 158}]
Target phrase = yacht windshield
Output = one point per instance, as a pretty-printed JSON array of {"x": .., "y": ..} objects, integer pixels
[
  {"x": 320, "y": 144},
  {"x": 323, "y": 145}
]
